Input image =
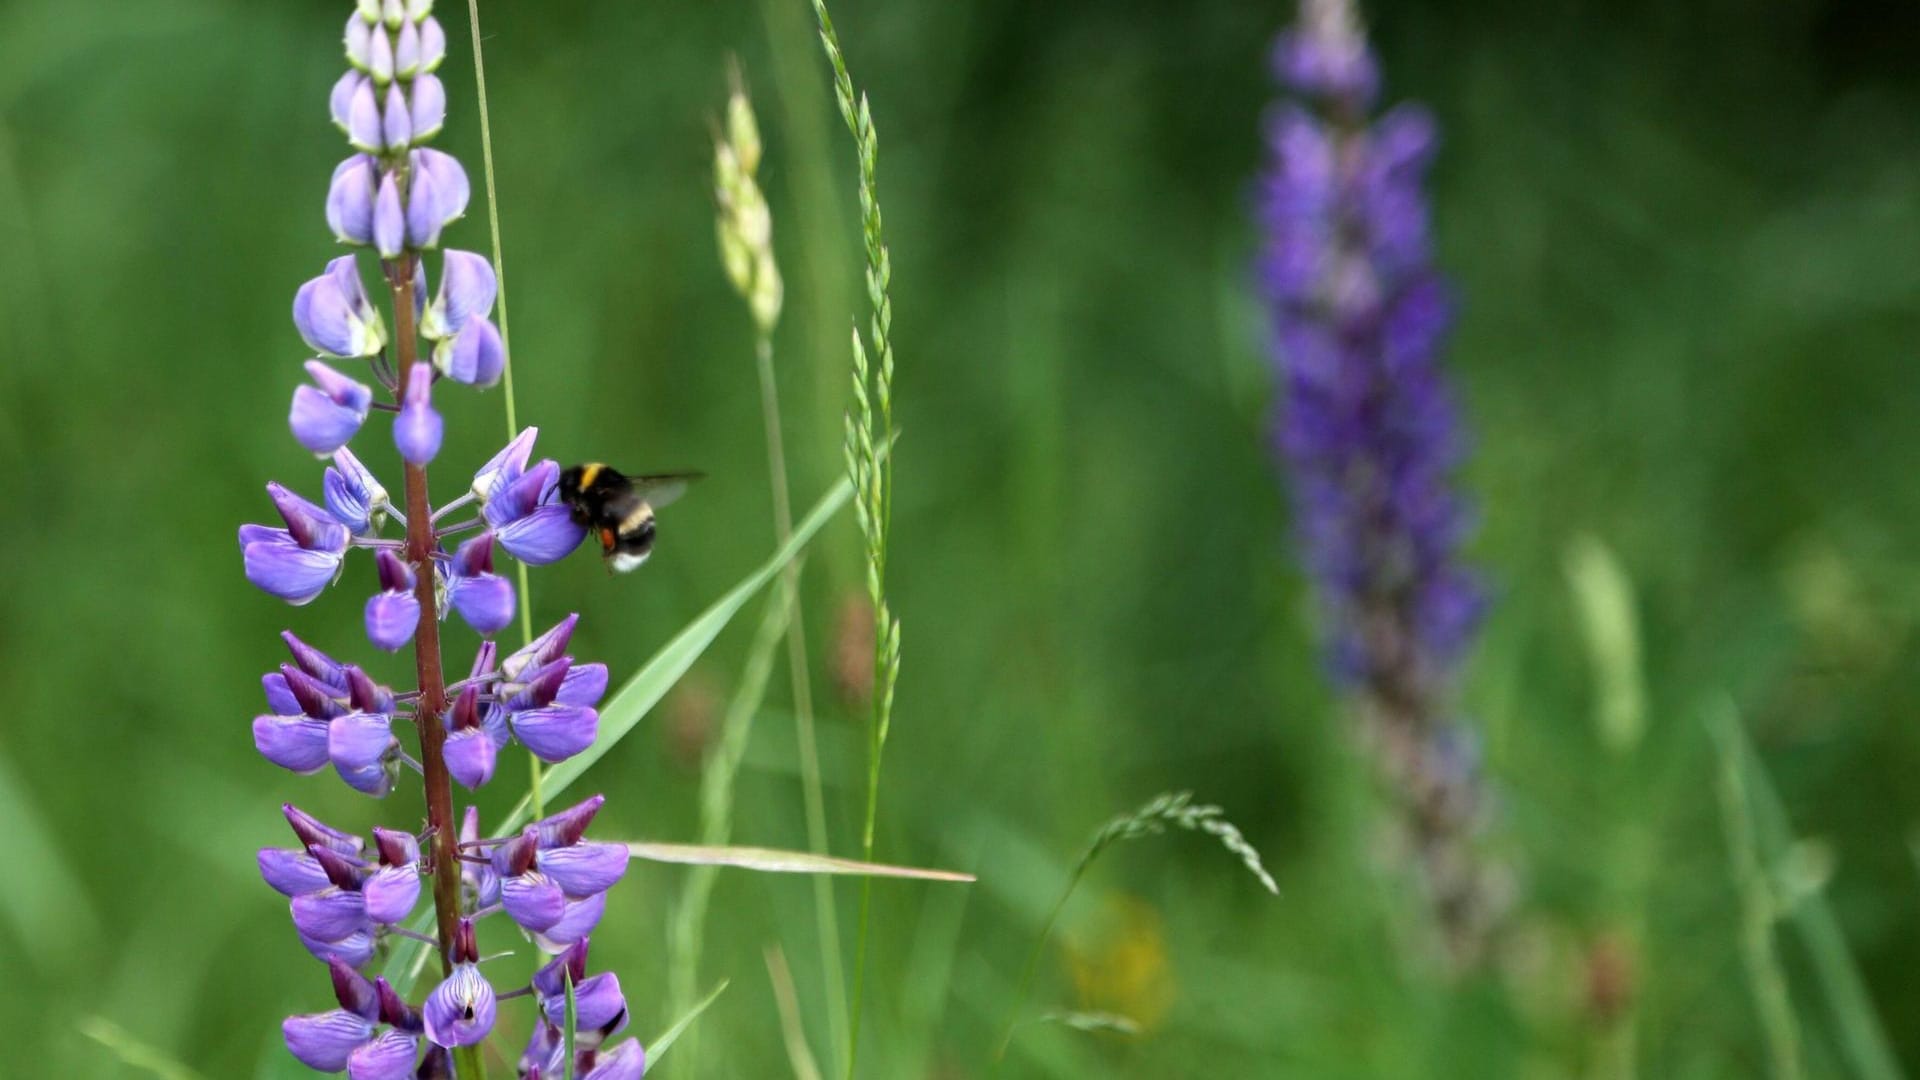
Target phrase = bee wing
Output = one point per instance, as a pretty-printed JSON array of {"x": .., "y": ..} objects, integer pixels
[{"x": 660, "y": 489}]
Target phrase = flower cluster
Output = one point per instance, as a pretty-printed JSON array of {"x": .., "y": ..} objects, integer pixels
[
  {"x": 1368, "y": 429},
  {"x": 350, "y": 899}
]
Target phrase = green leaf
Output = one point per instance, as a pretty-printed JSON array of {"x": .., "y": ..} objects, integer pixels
[
  {"x": 657, "y": 1049},
  {"x": 573, "y": 1023},
  {"x": 774, "y": 860},
  {"x": 651, "y": 683}
]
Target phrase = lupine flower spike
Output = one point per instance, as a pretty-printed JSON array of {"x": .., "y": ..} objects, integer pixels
[
  {"x": 1369, "y": 437},
  {"x": 347, "y": 898}
]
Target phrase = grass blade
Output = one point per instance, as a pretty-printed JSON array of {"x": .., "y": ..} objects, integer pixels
[
  {"x": 133, "y": 1052},
  {"x": 799, "y": 1054},
  {"x": 657, "y": 1049},
  {"x": 776, "y": 861}
]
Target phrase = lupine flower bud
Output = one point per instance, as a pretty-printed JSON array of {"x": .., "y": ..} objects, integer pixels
[
  {"x": 467, "y": 291},
  {"x": 417, "y": 428},
  {"x": 483, "y": 598},
  {"x": 353, "y": 495},
  {"x": 478, "y": 881},
  {"x": 393, "y": 12},
  {"x": 369, "y": 11},
  {"x": 363, "y": 118},
  {"x": 441, "y": 193},
  {"x": 427, "y": 105},
  {"x": 359, "y": 42},
  {"x": 326, "y": 415},
  {"x": 418, "y": 9},
  {"x": 392, "y": 891},
  {"x": 470, "y": 750},
  {"x": 433, "y": 44},
  {"x": 379, "y": 55},
  {"x": 475, "y": 356},
  {"x": 424, "y": 211},
  {"x": 394, "y": 611},
  {"x": 396, "y": 120},
  {"x": 350, "y": 200},
  {"x": 504, "y": 467},
  {"x": 746, "y": 222},
  {"x": 334, "y": 316},
  {"x": 340, "y": 102},
  {"x": 389, "y": 221}
]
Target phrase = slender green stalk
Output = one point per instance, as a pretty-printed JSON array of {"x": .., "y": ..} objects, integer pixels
[
  {"x": 1759, "y": 907},
  {"x": 867, "y": 429},
  {"x": 506, "y": 342}
]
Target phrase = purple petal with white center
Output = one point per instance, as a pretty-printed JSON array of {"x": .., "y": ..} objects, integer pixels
[
  {"x": 540, "y": 650},
  {"x": 291, "y": 873},
  {"x": 350, "y": 200},
  {"x": 353, "y": 496},
  {"x": 428, "y": 107},
  {"x": 406, "y": 51},
  {"x": 325, "y": 1040},
  {"x": 433, "y": 44},
  {"x": 599, "y": 1007},
  {"x": 556, "y": 732},
  {"x": 391, "y": 893},
  {"x": 391, "y": 618},
  {"x": 279, "y": 696},
  {"x": 470, "y": 756},
  {"x": 460, "y": 1010},
  {"x": 476, "y": 355},
  {"x": 423, "y": 212},
  {"x": 389, "y": 1057},
  {"x": 580, "y": 919},
  {"x": 449, "y": 176},
  {"x": 418, "y": 429},
  {"x": 547, "y": 535},
  {"x": 389, "y": 220},
  {"x": 586, "y": 868},
  {"x": 340, "y": 102},
  {"x": 396, "y": 120},
  {"x": 333, "y": 314},
  {"x": 533, "y": 900},
  {"x": 359, "y": 43},
  {"x": 354, "y": 950},
  {"x": 363, "y": 119},
  {"x": 332, "y": 914},
  {"x": 359, "y": 739},
  {"x": 467, "y": 284},
  {"x": 506, "y": 466},
  {"x": 585, "y": 685},
  {"x": 295, "y": 743},
  {"x": 380, "y": 56},
  {"x": 628, "y": 1061}
]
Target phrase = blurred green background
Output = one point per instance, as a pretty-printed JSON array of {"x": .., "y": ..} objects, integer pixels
[{"x": 1688, "y": 241}]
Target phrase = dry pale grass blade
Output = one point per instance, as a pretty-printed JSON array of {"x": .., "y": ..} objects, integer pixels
[
  {"x": 776, "y": 861},
  {"x": 798, "y": 1052}
]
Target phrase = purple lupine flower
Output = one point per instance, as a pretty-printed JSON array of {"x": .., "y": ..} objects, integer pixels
[
  {"x": 327, "y": 414},
  {"x": 353, "y": 496},
  {"x": 418, "y": 429},
  {"x": 394, "y": 611},
  {"x": 298, "y": 562},
  {"x": 528, "y": 517},
  {"x": 460, "y": 1010},
  {"x": 506, "y": 466},
  {"x": 334, "y": 316},
  {"x": 600, "y": 1010},
  {"x": 1367, "y": 429},
  {"x": 550, "y": 876},
  {"x": 476, "y": 355},
  {"x": 628, "y": 1061},
  {"x": 325, "y": 1041},
  {"x": 296, "y": 872},
  {"x": 470, "y": 749},
  {"x": 350, "y": 198},
  {"x": 550, "y": 727},
  {"x": 483, "y": 598},
  {"x": 467, "y": 290},
  {"x": 427, "y": 105},
  {"x": 363, "y": 117}
]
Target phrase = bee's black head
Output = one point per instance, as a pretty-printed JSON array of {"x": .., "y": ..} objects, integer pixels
[{"x": 570, "y": 484}]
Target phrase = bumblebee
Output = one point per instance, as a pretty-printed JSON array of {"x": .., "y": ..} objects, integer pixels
[{"x": 619, "y": 508}]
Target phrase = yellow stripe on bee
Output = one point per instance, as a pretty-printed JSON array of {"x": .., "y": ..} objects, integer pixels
[
  {"x": 640, "y": 516},
  {"x": 587, "y": 474}
]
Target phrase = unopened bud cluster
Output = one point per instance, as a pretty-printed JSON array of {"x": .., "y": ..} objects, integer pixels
[{"x": 746, "y": 223}]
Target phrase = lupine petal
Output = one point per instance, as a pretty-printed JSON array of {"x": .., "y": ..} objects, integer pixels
[
  {"x": 584, "y": 685},
  {"x": 418, "y": 429},
  {"x": 586, "y": 868},
  {"x": 363, "y": 118},
  {"x": 556, "y": 732},
  {"x": 350, "y": 200},
  {"x": 316, "y": 833},
  {"x": 533, "y": 900},
  {"x": 354, "y": 950},
  {"x": 460, "y": 1010},
  {"x": 579, "y": 920},
  {"x": 545, "y": 1054},
  {"x": 279, "y": 697},
  {"x": 372, "y": 780},
  {"x": 396, "y": 120},
  {"x": 428, "y": 106},
  {"x": 332, "y": 914},
  {"x": 325, "y": 1040},
  {"x": 467, "y": 282},
  {"x": 389, "y": 220},
  {"x": 359, "y": 42},
  {"x": 340, "y": 101},
  {"x": 506, "y": 466},
  {"x": 524, "y": 494},
  {"x": 433, "y": 44},
  {"x": 291, "y": 873},
  {"x": 565, "y": 828},
  {"x": 406, "y": 51},
  {"x": 547, "y": 535},
  {"x": 598, "y": 1005},
  {"x": 359, "y": 739},
  {"x": 449, "y": 176},
  {"x": 540, "y": 650},
  {"x": 476, "y": 355},
  {"x": 333, "y": 314},
  {"x": 391, "y": 618},
  {"x": 389, "y": 1057},
  {"x": 477, "y": 877},
  {"x": 423, "y": 211},
  {"x": 484, "y": 599},
  {"x": 628, "y": 1061},
  {"x": 380, "y": 56},
  {"x": 391, "y": 893},
  {"x": 288, "y": 571},
  {"x": 295, "y": 743},
  {"x": 353, "y": 496},
  {"x": 418, "y": 9},
  {"x": 470, "y": 756}
]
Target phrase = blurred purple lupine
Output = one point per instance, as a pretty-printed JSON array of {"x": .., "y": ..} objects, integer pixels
[
  {"x": 1370, "y": 438},
  {"x": 349, "y": 901}
]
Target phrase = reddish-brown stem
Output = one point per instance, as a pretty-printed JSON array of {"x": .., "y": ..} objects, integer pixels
[{"x": 426, "y": 642}]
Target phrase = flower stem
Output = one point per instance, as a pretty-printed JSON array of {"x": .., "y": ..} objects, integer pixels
[{"x": 427, "y": 665}]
